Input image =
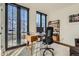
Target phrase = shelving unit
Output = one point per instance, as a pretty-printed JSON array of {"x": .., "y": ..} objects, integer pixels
[{"x": 56, "y": 25}]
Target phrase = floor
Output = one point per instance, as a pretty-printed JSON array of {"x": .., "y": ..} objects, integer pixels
[
  {"x": 26, "y": 50},
  {"x": 14, "y": 42},
  {"x": 35, "y": 51}
]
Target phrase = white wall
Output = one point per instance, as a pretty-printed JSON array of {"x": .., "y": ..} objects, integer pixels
[
  {"x": 68, "y": 31},
  {"x": 3, "y": 28}
]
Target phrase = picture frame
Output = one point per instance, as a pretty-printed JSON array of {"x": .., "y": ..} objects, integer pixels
[{"x": 74, "y": 18}]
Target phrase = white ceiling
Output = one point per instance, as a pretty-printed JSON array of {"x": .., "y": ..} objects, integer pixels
[{"x": 49, "y": 6}]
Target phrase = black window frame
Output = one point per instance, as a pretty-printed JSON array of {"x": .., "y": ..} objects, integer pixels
[
  {"x": 41, "y": 13},
  {"x": 18, "y": 24}
]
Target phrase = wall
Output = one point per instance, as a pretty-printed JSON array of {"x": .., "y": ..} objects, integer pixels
[
  {"x": 3, "y": 28},
  {"x": 68, "y": 31},
  {"x": 0, "y": 29}
]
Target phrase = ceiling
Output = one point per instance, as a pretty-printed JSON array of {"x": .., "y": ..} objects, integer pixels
[{"x": 50, "y": 6}]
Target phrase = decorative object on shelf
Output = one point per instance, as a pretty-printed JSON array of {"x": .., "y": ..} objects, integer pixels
[{"x": 74, "y": 18}]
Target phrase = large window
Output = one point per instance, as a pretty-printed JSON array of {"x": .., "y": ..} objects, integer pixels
[
  {"x": 41, "y": 19},
  {"x": 16, "y": 25}
]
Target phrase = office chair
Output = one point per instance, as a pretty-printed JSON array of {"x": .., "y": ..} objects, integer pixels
[{"x": 48, "y": 40}]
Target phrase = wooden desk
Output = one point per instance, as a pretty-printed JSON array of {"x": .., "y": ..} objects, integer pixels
[{"x": 31, "y": 39}]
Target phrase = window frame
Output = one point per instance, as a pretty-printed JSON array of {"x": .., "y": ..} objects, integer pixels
[
  {"x": 18, "y": 24},
  {"x": 41, "y": 13}
]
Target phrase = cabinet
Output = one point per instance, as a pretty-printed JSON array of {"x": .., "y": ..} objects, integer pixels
[
  {"x": 56, "y": 37},
  {"x": 74, "y": 51}
]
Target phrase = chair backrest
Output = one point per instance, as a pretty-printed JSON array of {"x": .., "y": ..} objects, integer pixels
[
  {"x": 49, "y": 32},
  {"x": 48, "y": 38}
]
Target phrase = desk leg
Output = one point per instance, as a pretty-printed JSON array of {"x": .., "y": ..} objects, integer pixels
[{"x": 30, "y": 48}]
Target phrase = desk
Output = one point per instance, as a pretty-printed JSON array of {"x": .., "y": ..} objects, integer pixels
[
  {"x": 31, "y": 39},
  {"x": 41, "y": 37},
  {"x": 55, "y": 37}
]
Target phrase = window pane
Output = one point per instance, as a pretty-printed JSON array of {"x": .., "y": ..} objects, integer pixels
[
  {"x": 9, "y": 26},
  {"x": 12, "y": 25},
  {"x": 38, "y": 20},
  {"x": 43, "y": 22},
  {"x": 23, "y": 24}
]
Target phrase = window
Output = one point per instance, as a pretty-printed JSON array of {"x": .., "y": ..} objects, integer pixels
[
  {"x": 24, "y": 24},
  {"x": 17, "y": 25},
  {"x": 12, "y": 25},
  {"x": 41, "y": 19}
]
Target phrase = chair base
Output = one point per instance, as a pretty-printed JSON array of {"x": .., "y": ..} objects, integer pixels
[{"x": 49, "y": 49}]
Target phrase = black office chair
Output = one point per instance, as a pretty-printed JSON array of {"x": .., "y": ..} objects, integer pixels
[{"x": 48, "y": 40}]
